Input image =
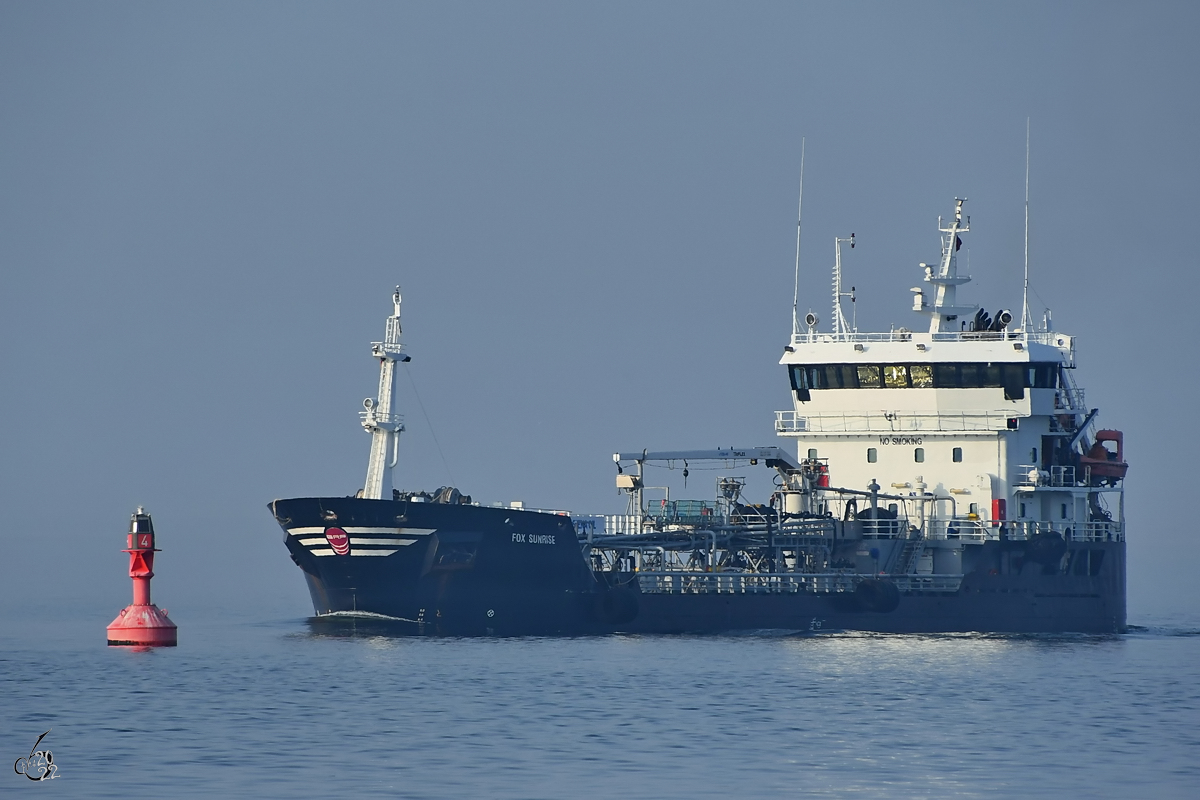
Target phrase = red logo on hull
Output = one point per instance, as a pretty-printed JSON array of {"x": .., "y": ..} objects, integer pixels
[{"x": 338, "y": 540}]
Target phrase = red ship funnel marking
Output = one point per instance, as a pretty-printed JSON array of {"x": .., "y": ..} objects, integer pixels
[{"x": 338, "y": 540}]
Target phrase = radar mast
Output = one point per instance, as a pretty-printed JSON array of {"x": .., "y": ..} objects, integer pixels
[{"x": 945, "y": 276}]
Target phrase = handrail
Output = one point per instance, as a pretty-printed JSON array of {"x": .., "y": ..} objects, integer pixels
[
  {"x": 793, "y": 422},
  {"x": 963, "y": 529},
  {"x": 687, "y": 582},
  {"x": 905, "y": 335}
]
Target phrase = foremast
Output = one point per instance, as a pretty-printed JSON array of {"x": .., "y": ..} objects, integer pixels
[{"x": 378, "y": 420}]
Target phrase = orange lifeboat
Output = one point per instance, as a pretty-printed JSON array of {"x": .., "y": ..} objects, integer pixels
[{"x": 1106, "y": 465}]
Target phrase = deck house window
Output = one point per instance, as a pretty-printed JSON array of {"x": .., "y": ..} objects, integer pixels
[
  {"x": 1014, "y": 378},
  {"x": 1014, "y": 381},
  {"x": 921, "y": 376},
  {"x": 895, "y": 376},
  {"x": 872, "y": 455},
  {"x": 956, "y": 454},
  {"x": 968, "y": 375},
  {"x": 919, "y": 455},
  {"x": 945, "y": 376},
  {"x": 868, "y": 376},
  {"x": 1045, "y": 376},
  {"x": 799, "y": 378}
]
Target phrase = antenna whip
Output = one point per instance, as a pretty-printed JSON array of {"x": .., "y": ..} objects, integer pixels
[
  {"x": 1025, "y": 293},
  {"x": 799, "y": 217}
]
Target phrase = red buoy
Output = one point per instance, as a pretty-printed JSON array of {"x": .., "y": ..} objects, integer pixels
[{"x": 143, "y": 623}]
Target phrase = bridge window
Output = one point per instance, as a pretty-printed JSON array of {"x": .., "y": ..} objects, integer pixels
[
  {"x": 895, "y": 376},
  {"x": 799, "y": 377},
  {"x": 945, "y": 376},
  {"x": 872, "y": 455},
  {"x": 1045, "y": 376},
  {"x": 868, "y": 376},
  {"x": 968, "y": 376},
  {"x": 1014, "y": 382},
  {"x": 838, "y": 376},
  {"x": 1014, "y": 378},
  {"x": 921, "y": 375}
]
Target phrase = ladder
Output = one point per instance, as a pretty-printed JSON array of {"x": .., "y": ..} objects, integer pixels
[{"x": 909, "y": 553}]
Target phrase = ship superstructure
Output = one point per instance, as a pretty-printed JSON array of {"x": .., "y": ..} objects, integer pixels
[
  {"x": 979, "y": 427},
  {"x": 951, "y": 478}
]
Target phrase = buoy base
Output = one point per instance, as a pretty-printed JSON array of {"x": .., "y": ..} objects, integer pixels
[{"x": 145, "y": 626}]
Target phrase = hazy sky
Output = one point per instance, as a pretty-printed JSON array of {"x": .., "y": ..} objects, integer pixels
[{"x": 591, "y": 211}]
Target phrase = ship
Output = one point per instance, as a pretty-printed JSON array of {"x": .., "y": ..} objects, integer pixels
[{"x": 947, "y": 479}]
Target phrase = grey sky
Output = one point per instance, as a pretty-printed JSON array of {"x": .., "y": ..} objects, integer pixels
[{"x": 590, "y": 209}]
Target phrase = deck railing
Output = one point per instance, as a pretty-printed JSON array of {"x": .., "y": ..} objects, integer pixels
[
  {"x": 1027, "y": 475},
  {"x": 962, "y": 529},
  {"x": 681, "y": 582},
  {"x": 904, "y": 335},
  {"x": 792, "y": 422},
  {"x": 1093, "y": 531}
]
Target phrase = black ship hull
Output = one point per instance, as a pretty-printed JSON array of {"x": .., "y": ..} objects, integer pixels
[{"x": 462, "y": 570}]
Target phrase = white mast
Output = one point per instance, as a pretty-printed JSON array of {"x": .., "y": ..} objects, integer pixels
[
  {"x": 840, "y": 328},
  {"x": 799, "y": 217},
  {"x": 1025, "y": 293},
  {"x": 946, "y": 277},
  {"x": 378, "y": 419}
]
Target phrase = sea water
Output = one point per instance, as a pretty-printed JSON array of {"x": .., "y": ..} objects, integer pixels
[{"x": 282, "y": 708}]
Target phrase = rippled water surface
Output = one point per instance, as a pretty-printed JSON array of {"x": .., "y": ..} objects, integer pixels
[{"x": 282, "y": 709}]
